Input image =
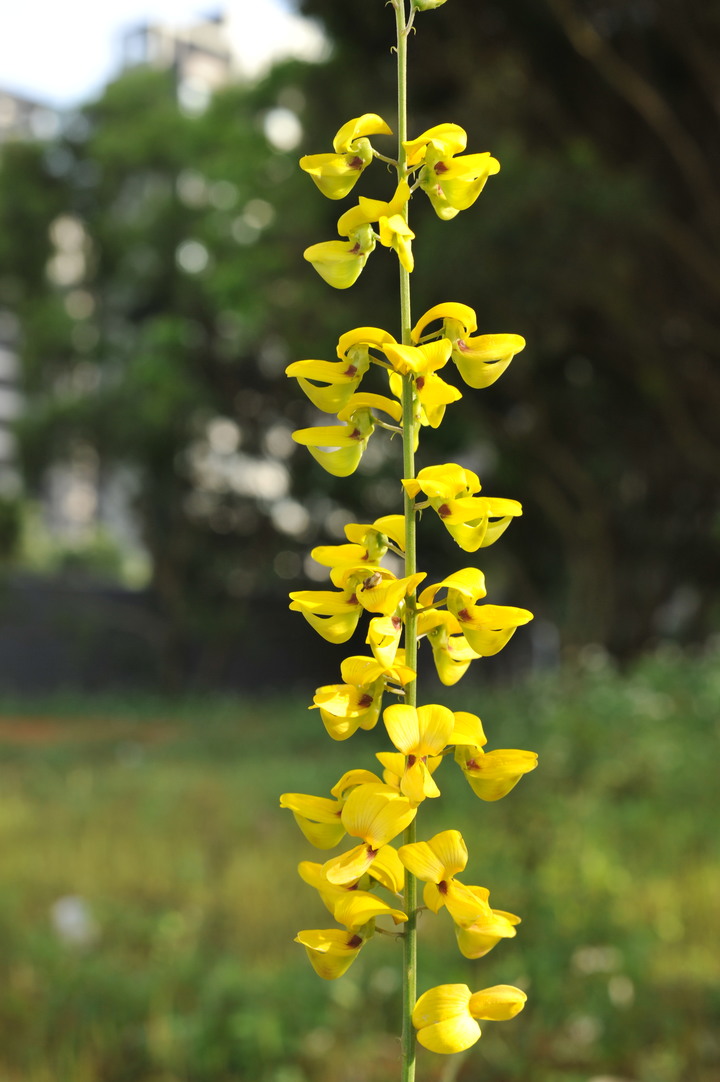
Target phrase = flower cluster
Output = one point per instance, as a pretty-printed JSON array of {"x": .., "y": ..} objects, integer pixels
[{"x": 382, "y": 382}]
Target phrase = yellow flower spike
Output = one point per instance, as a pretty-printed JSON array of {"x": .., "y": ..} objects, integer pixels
[
  {"x": 336, "y": 174},
  {"x": 448, "y": 138},
  {"x": 377, "y": 814},
  {"x": 485, "y": 933},
  {"x": 458, "y": 320},
  {"x": 331, "y": 951},
  {"x": 446, "y": 1016},
  {"x": 493, "y": 774},
  {"x": 488, "y": 628},
  {"x": 483, "y": 359},
  {"x": 453, "y": 184}
]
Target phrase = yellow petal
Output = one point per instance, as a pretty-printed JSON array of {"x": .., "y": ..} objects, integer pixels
[
  {"x": 482, "y": 360},
  {"x": 468, "y": 729},
  {"x": 338, "y": 262},
  {"x": 495, "y": 773},
  {"x": 358, "y": 127},
  {"x": 355, "y": 908},
  {"x": 331, "y": 950},
  {"x": 449, "y": 138},
  {"x": 443, "y": 1020},
  {"x": 459, "y": 314},
  {"x": 388, "y": 870},
  {"x": 377, "y": 814},
  {"x": 498, "y": 1003}
]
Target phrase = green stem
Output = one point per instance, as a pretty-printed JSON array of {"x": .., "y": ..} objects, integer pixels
[{"x": 408, "y": 424}]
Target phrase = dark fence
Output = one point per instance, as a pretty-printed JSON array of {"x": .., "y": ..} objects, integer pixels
[{"x": 58, "y": 633}]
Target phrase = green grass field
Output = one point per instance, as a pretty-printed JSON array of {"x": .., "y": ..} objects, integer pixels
[{"x": 153, "y": 829}]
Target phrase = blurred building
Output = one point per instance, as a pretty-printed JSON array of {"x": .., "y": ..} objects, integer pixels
[
  {"x": 24, "y": 118},
  {"x": 201, "y": 55}
]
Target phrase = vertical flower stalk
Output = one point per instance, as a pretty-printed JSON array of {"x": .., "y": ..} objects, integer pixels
[{"x": 403, "y": 393}]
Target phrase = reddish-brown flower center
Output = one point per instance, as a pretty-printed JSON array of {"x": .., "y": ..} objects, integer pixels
[
  {"x": 444, "y": 511},
  {"x": 365, "y": 700}
]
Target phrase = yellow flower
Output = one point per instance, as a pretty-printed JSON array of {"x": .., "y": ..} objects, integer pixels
[
  {"x": 446, "y": 1016},
  {"x": 449, "y": 138},
  {"x": 339, "y": 379},
  {"x": 493, "y": 774},
  {"x": 356, "y": 704},
  {"x": 487, "y": 628},
  {"x": 331, "y": 951},
  {"x": 376, "y": 814},
  {"x": 349, "y": 906},
  {"x": 473, "y": 521},
  {"x": 452, "y": 184},
  {"x": 418, "y": 733},
  {"x": 333, "y": 614},
  {"x": 451, "y": 653},
  {"x": 394, "y": 231},
  {"x": 336, "y": 174},
  {"x": 367, "y": 543},
  {"x": 340, "y": 262},
  {"x": 480, "y": 360},
  {"x": 436, "y": 863},
  {"x": 422, "y": 363},
  {"x": 319, "y": 817},
  {"x": 478, "y": 938},
  {"x": 339, "y": 448}
]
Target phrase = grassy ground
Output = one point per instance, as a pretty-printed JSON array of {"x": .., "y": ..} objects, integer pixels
[{"x": 149, "y": 896}]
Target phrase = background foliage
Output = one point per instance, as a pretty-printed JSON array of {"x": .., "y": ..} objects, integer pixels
[{"x": 159, "y": 823}]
